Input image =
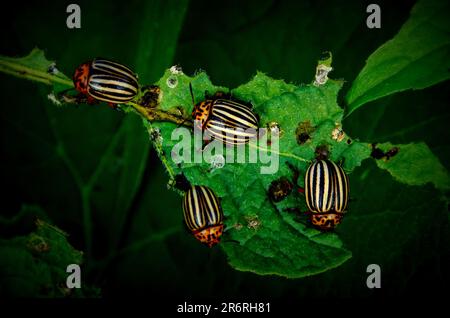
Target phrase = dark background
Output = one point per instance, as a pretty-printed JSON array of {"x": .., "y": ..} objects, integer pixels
[{"x": 49, "y": 152}]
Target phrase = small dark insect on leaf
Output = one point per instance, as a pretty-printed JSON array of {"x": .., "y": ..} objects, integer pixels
[
  {"x": 303, "y": 137},
  {"x": 391, "y": 153},
  {"x": 151, "y": 96},
  {"x": 377, "y": 153},
  {"x": 280, "y": 189},
  {"x": 181, "y": 182},
  {"x": 303, "y": 132},
  {"x": 322, "y": 152}
]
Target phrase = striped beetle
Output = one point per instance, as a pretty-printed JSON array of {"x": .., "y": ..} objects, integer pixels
[
  {"x": 227, "y": 120},
  {"x": 106, "y": 81},
  {"x": 203, "y": 214},
  {"x": 326, "y": 192}
]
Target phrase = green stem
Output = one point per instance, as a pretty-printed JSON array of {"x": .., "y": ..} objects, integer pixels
[
  {"x": 156, "y": 114},
  {"x": 21, "y": 71}
]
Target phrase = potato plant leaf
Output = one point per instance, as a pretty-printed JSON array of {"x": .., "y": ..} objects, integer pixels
[
  {"x": 415, "y": 164},
  {"x": 35, "y": 67},
  {"x": 265, "y": 237},
  {"x": 35, "y": 264},
  {"x": 417, "y": 57}
]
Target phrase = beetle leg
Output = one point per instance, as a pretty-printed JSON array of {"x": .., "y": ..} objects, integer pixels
[
  {"x": 91, "y": 100},
  {"x": 113, "y": 106}
]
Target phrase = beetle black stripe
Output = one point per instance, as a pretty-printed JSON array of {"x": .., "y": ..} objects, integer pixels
[
  {"x": 109, "y": 97},
  {"x": 229, "y": 136},
  {"x": 111, "y": 88},
  {"x": 211, "y": 207},
  {"x": 321, "y": 185},
  {"x": 231, "y": 122},
  {"x": 220, "y": 130},
  {"x": 228, "y": 129},
  {"x": 193, "y": 214},
  {"x": 326, "y": 187},
  {"x": 100, "y": 66},
  {"x": 113, "y": 80},
  {"x": 107, "y": 63},
  {"x": 234, "y": 113},
  {"x": 341, "y": 189},
  {"x": 234, "y": 105},
  {"x": 235, "y": 109},
  {"x": 308, "y": 187},
  {"x": 201, "y": 208}
]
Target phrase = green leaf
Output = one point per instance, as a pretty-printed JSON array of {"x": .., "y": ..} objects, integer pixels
[
  {"x": 272, "y": 241},
  {"x": 240, "y": 45},
  {"x": 316, "y": 108},
  {"x": 401, "y": 228},
  {"x": 155, "y": 45},
  {"x": 415, "y": 164},
  {"x": 34, "y": 265},
  {"x": 99, "y": 178},
  {"x": 34, "y": 67},
  {"x": 417, "y": 57},
  {"x": 269, "y": 247}
]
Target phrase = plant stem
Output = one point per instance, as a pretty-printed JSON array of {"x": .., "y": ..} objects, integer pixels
[
  {"x": 155, "y": 114},
  {"x": 31, "y": 74}
]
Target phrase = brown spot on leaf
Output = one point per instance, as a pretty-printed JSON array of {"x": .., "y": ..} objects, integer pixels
[{"x": 304, "y": 132}]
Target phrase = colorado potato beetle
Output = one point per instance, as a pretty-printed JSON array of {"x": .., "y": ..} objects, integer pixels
[
  {"x": 203, "y": 214},
  {"x": 326, "y": 192},
  {"x": 106, "y": 81},
  {"x": 230, "y": 121}
]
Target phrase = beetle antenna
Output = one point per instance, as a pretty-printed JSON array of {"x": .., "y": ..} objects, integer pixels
[
  {"x": 63, "y": 93},
  {"x": 182, "y": 123},
  {"x": 192, "y": 94}
]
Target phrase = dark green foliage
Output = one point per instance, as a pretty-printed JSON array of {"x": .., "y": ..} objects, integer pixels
[{"x": 89, "y": 167}]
